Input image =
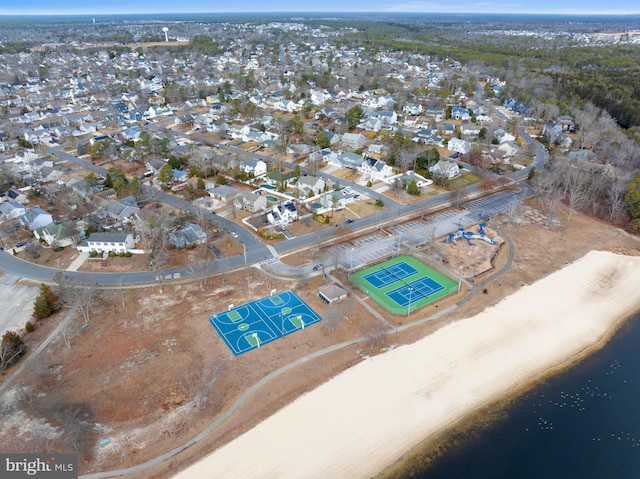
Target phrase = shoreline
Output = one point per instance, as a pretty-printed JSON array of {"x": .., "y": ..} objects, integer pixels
[
  {"x": 364, "y": 421},
  {"x": 484, "y": 413}
]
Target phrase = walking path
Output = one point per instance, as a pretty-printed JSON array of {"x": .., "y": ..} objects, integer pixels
[{"x": 264, "y": 381}]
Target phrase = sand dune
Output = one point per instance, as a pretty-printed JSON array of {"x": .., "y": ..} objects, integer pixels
[{"x": 368, "y": 416}]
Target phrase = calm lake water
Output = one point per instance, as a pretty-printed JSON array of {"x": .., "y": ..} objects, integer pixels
[{"x": 584, "y": 423}]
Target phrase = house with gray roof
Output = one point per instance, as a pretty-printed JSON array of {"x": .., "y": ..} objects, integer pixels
[
  {"x": 106, "y": 242},
  {"x": 36, "y": 218},
  {"x": 192, "y": 234},
  {"x": 12, "y": 209}
]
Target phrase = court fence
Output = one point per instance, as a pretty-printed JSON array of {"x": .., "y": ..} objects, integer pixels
[{"x": 382, "y": 299}]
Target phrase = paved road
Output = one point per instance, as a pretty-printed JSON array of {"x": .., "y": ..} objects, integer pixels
[{"x": 255, "y": 251}]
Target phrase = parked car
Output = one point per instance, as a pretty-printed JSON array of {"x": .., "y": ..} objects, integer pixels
[
  {"x": 317, "y": 267},
  {"x": 349, "y": 221},
  {"x": 234, "y": 234}
]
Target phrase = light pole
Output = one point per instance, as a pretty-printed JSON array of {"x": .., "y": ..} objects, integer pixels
[
  {"x": 409, "y": 307},
  {"x": 244, "y": 252},
  {"x": 460, "y": 280}
]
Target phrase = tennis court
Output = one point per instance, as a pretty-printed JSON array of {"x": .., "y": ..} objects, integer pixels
[
  {"x": 403, "y": 284},
  {"x": 259, "y": 322}
]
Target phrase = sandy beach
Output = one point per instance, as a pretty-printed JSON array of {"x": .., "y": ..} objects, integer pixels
[{"x": 368, "y": 416}]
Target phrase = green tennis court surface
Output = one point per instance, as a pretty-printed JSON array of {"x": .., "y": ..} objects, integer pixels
[
  {"x": 259, "y": 322},
  {"x": 403, "y": 284}
]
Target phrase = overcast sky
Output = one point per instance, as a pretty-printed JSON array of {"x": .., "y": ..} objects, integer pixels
[{"x": 93, "y": 7}]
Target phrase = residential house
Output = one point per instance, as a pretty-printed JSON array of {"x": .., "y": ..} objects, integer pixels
[
  {"x": 372, "y": 124},
  {"x": 83, "y": 188},
  {"x": 458, "y": 113},
  {"x": 309, "y": 186},
  {"x": 122, "y": 209},
  {"x": 447, "y": 168},
  {"x": 353, "y": 140},
  {"x": 435, "y": 112},
  {"x": 276, "y": 177},
  {"x": 49, "y": 174},
  {"x": 17, "y": 195},
  {"x": 428, "y": 137},
  {"x": 250, "y": 202},
  {"x": 192, "y": 234},
  {"x": 413, "y": 109},
  {"x": 374, "y": 168},
  {"x": 222, "y": 192},
  {"x": 106, "y": 242},
  {"x": 336, "y": 200},
  {"x": 58, "y": 234},
  {"x": 346, "y": 159},
  {"x": 257, "y": 167},
  {"x": 459, "y": 146},
  {"x": 36, "y": 218},
  {"x": 282, "y": 215},
  {"x": 12, "y": 209}
]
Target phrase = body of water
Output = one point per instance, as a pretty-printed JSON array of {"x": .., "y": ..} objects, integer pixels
[{"x": 584, "y": 423}]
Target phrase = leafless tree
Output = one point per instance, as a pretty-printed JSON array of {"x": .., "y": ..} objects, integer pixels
[
  {"x": 80, "y": 297},
  {"x": 576, "y": 190},
  {"x": 198, "y": 383},
  {"x": 70, "y": 330},
  {"x": 457, "y": 196},
  {"x": 376, "y": 334},
  {"x": 512, "y": 209},
  {"x": 615, "y": 194},
  {"x": 333, "y": 317}
]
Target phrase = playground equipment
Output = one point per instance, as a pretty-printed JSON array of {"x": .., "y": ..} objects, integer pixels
[{"x": 469, "y": 235}]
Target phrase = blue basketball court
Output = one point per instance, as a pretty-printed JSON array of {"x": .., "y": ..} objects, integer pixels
[{"x": 259, "y": 322}]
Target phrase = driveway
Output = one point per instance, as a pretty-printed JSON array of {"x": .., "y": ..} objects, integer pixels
[{"x": 17, "y": 303}]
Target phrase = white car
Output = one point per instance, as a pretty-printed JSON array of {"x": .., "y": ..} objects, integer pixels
[{"x": 234, "y": 234}]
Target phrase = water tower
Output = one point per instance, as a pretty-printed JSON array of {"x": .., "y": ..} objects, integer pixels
[{"x": 166, "y": 35}]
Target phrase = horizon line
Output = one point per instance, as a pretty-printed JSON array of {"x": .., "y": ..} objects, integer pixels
[{"x": 326, "y": 12}]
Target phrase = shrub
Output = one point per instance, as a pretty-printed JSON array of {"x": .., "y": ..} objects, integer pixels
[
  {"x": 379, "y": 203},
  {"x": 121, "y": 254},
  {"x": 128, "y": 254},
  {"x": 485, "y": 291},
  {"x": 93, "y": 254},
  {"x": 112, "y": 254},
  {"x": 45, "y": 303},
  {"x": 57, "y": 249},
  {"x": 29, "y": 327}
]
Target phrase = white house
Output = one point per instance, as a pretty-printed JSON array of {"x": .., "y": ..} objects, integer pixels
[
  {"x": 353, "y": 140},
  {"x": 282, "y": 215},
  {"x": 413, "y": 109},
  {"x": 257, "y": 167},
  {"x": 12, "y": 209},
  {"x": 106, "y": 242},
  {"x": 375, "y": 168},
  {"x": 36, "y": 218},
  {"x": 250, "y": 201},
  {"x": 310, "y": 185},
  {"x": 446, "y": 168},
  {"x": 336, "y": 200},
  {"x": 459, "y": 146}
]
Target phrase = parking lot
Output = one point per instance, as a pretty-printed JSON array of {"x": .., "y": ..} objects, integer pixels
[{"x": 17, "y": 303}]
